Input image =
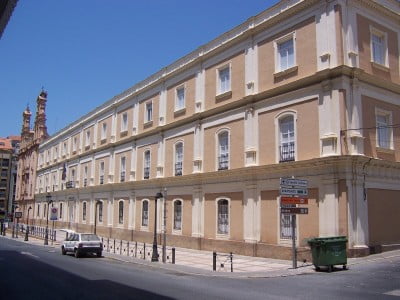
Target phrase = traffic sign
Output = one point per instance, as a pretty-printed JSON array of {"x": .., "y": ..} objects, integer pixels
[
  {"x": 18, "y": 214},
  {"x": 54, "y": 214},
  {"x": 294, "y": 200},
  {"x": 293, "y": 191},
  {"x": 294, "y": 210},
  {"x": 294, "y": 182}
]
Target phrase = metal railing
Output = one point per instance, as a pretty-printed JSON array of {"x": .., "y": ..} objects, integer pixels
[{"x": 287, "y": 152}]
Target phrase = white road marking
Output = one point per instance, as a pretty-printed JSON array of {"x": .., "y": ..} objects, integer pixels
[
  {"x": 393, "y": 293},
  {"x": 29, "y": 254}
]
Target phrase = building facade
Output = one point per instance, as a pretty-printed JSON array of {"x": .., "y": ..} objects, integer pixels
[{"x": 305, "y": 89}]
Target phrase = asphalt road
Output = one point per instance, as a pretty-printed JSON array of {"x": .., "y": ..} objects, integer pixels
[{"x": 37, "y": 272}]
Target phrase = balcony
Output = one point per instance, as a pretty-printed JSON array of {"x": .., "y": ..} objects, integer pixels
[
  {"x": 70, "y": 184},
  {"x": 286, "y": 152},
  {"x": 146, "y": 173},
  {"x": 85, "y": 182},
  {"x": 223, "y": 162},
  {"x": 101, "y": 179},
  {"x": 178, "y": 169},
  {"x": 122, "y": 176}
]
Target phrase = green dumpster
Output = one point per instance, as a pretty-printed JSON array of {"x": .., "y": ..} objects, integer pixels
[{"x": 329, "y": 251}]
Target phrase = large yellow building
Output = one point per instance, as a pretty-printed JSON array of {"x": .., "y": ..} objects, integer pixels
[{"x": 308, "y": 89}]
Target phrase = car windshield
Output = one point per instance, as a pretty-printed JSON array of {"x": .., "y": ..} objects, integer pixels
[{"x": 89, "y": 237}]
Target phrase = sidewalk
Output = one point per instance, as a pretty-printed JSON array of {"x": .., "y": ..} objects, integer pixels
[{"x": 196, "y": 262}]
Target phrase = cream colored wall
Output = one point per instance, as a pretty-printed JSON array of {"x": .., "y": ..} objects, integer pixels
[
  {"x": 364, "y": 48},
  {"x": 236, "y": 147},
  {"x": 307, "y": 132},
  {"x": 143, "y": 127},
  {"x": 339, "y": 36},
  {"x": 189, "y": 84},
  {"x": 269, "y": 217},
  {"x": 140, "y": 161},
  {"x": 306, "y": 56},
  {"x": 235, "y": 218},
  {"x": 100, "y": 141},
  {"x": 123, "y": 135},
  {"x": 369, "y": 121},
  {"x": 309, "y": 224},
  {"x": 187, "y": 154},
  {"x": 117, "y": 165},
  {"x": 383, "y": 216},
  {"x": 237, "y": 81}
]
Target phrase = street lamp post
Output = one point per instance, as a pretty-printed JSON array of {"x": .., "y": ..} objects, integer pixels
[
  {"x": 27, "y": 224},
  {"x": 49, "y": 201},
  {"x": 13, "y": 215},
  {"x": 164, "y": 247},
  {"x": 154, "y": 256},
  {"x": 95, "y": 214}
]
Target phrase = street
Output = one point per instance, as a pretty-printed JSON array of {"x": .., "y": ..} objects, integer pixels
[{"x": 38, "y": 272}]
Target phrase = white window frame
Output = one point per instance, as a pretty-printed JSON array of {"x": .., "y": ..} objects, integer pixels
[
  {"x": 218, "y": 148},
  {"x": 101, "y": 172},
  {"x": 145, "y": 227},
  {"x": 74, "y": 143},
  {"x": 124, "y": 121},
  {"x": 217, "y": 234},
  {"x": 376, "y": 32},
  {"x": 148, "y": 117},
  {"x": 145, "y": 165},
  {"x": 103, "y": 131},
  {"x": 122, "y": 164},
  {"x": 177, "y": 231},
  {"x": 279, "y": 117},
  {"x": 219, "y": 86},
  {"x": 279, "y": 41},
  {"x": 175, "y": 157},
  {"x": 178, "y": 105},
  {"x": 87, "y": 138},
  {"x": 389, "y": 118},
  {"x": 123, "y": 212}
]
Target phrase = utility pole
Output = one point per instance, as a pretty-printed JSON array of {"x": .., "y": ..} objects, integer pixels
[{"x": 164, "y": 248}]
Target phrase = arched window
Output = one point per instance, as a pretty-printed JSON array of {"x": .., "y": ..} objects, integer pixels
[
  {"x": 121, "y": 212},
  {"x": 100, "y": 211},
  {"x": 178, "y": 159},
  {"x": 145, "y": 213},
  {"x": 177, "y": 215},
  {"x": 286, "y": 139},
  {"x": 223, "y": 216},
  {"x": 223, "y": 150},
  {"x": 146, "y": 165},
  {"x": 84, "y": 211}
]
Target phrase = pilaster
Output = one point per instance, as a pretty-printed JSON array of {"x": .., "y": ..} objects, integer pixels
[
  {"x": 251, "y": 68},
  {"x": 198, "y": 148},
  {"x": 326, "y": 36},
  {"x": 250, "y": 137},
  {"x": 328, "y": 208},
  {"x": 200, "y": 89},
  {"x": 160, "y": 156},
  {"x": 251, "y": 213},
  {"x": 197, "y": 212}
]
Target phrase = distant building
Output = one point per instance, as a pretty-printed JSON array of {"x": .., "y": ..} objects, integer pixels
[
  {"x": 308, "y": 89},
  {"x": 9, "y": 148},
  {"x": 28, "y": 153},
  {"x": 6, "y": 9}
]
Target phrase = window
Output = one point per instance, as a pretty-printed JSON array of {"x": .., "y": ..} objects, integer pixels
[
  {"x": 224, "y": 79},
  {"x": 44, "y": 210},
  {"x": 178, "y": 215},
  {"x": 85, "y": 176},
  {"x": 103, "y": 131},
  {"x": 178, "y": 159},
  {"x": 38, "y": 211},
  {"x": 223, "y": 216},
  {"x": 61, "y": 208},
  {"x": 123, "y": 169},
  {"x": 286, "y": 139},
  {"x": 55, "y": 154},
  {"x": 146, "y": 165},
  {"x": 286, "y": 224},
  {"x": 48, "y": 156},
  {"x": 285, "y": 53},
  {"x": 100, "y": 211},
  {"x": 180, "y": 98},
  {"x": 84, "y": 211},
  {"x": 124, "y": 122},
  {"x": 149, "y": 112},
  {"x": 73, "y": 175},
  {"x": 101, "y": 178},
  {"x": 64, "y": 148},
  {"x": 74, "y": 143},
  {"x": 223, "y": 150},
  {"x": 383, "y": 130},
  {"x": 145, "y": 213},
  {"x": 378, "y": 47},
  {"x": 87, "y": 140},
  {"x": 121, "y": 212}
]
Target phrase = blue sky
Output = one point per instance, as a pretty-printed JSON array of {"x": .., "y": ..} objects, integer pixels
[{"x": 84, "y": 52}]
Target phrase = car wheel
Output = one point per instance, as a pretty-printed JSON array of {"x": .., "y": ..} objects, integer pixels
[
  {"x": 76, "y": 253},
  {"x": 99, "y": 254},
  {"x": 63, "y": 252}
]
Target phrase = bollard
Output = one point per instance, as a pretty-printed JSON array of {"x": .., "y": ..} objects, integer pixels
[
  {"x": 127, "y": 248},
  {"x": 108, "y": 245},
  {"x": 144, "y": 250},
  {"x": 114, "y": 245},
  {"x": 135, "y": 249},
  {"x": 214, "y": 261},
  {"x": 231, "y": 257},
  {"x": 173, "y": 256},
  {"x": 120, "y": 248}
]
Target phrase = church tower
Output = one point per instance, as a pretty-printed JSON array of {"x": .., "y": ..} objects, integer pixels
[{"x": 40, "y": 127}]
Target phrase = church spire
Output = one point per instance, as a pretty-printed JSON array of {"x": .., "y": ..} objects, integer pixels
[{"x": 40, "y": 128}]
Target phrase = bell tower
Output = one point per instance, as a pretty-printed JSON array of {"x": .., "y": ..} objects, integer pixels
[{"x": 40, "y": 127}]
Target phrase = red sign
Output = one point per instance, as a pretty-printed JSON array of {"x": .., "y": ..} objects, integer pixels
[
  {"x": 294, "y": 200},
  {"x": 294, "y": 210}
]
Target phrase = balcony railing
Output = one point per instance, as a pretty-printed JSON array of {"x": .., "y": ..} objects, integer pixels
[
  {"x": 85, "y": 182},
  {"x": 122, "y": 177},
  {"x": 223, "y": 162},
  {"x": 178, "y": 169},
  {"x": 286, "y": 152},
  {"x": 146, "y": 173},
  {"x": 70, "y": 184},
  {"x": 101, "y": 179}
]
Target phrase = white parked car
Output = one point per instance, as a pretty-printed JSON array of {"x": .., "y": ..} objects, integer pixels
[{"x": 82, "y": 243}]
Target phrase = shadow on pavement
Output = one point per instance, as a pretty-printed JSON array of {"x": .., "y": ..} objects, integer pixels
[{"x": 23, "y": 277}]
